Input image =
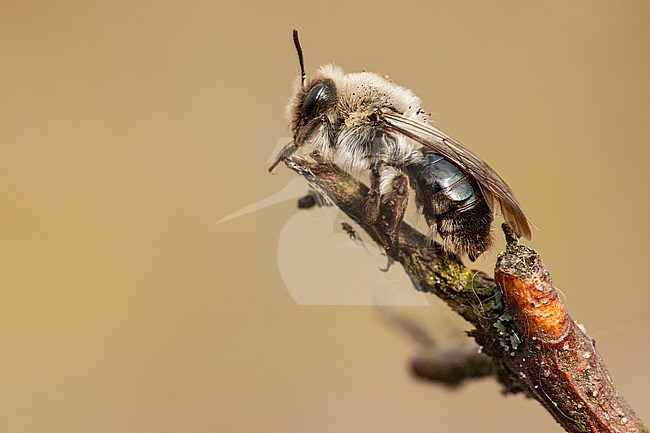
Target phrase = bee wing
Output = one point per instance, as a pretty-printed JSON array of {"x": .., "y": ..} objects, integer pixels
[{"x": 495, "y": 188}]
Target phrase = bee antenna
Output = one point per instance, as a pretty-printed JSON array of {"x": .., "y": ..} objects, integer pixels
[{"x": 296, "y": 42}]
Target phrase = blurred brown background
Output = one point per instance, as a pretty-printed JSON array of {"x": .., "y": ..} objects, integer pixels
[{"x": 127, "y": 129}]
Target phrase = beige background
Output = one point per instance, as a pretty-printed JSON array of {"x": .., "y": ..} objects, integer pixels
[{"x": 128, "y": 129}]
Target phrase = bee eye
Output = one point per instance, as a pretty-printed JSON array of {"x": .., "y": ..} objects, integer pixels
[{"x": 316, "y": 101}]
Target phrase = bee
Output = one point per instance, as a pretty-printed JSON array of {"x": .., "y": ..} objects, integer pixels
[{"x": 363, "y": 122}]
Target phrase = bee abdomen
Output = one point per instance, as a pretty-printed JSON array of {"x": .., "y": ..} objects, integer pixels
[{"x": 452, "y": 203}]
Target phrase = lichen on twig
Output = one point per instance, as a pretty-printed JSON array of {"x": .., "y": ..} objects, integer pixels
[{"x": 520, "y": 323}]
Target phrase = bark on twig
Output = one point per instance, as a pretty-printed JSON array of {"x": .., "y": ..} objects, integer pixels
[{"x": 520, "y": 323}]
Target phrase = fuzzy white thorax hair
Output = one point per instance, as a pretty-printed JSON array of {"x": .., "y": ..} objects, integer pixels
[
  {"x": 356, "y": 89},
  {"x": 358, "y": 94}
]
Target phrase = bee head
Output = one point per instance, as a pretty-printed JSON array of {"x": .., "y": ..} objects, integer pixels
[
  {"x": 312, "y": 100},
  {"x": 332, "y": 104}
]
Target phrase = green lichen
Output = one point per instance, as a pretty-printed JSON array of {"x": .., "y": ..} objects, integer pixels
[{"x": 508, "y": 337}]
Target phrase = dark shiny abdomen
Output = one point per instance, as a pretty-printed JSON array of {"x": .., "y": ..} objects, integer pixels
[{"x": 453, "y": 204}]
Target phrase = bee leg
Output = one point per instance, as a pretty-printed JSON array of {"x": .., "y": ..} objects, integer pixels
[
  {"x": 386, "y": 204},
  {"x": 288, "y": 150},
  {"x": 373, "y": 200},
  {"x": 394, "y": 200}
]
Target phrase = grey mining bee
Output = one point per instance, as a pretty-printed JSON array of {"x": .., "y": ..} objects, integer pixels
[{"x": 363, "y": 122}]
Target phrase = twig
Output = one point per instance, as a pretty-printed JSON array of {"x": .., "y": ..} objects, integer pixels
[
  {"x": 534, "y": 345},
  {"x": 448, "y": 364}
]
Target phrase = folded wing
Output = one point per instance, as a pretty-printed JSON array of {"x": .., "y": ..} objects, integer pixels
[{"x": 496, "y": 191}]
